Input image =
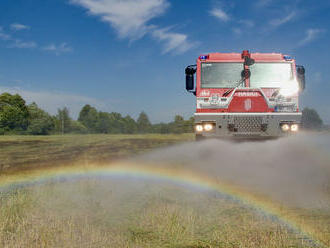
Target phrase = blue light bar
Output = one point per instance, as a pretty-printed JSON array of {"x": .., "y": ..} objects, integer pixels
[
  {"x": 287, "y": 57},
  {"x": 203, "y": 57}
]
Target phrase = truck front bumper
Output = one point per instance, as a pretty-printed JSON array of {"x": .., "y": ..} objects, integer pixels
[{"x": 246, "y": 125}]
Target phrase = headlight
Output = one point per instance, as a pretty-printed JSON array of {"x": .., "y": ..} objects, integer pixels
[
  {"x": 199, "y": 128},
  {"x": 294, "y": 127},
  {"x": 208, "y": 127},
  {"x": 285, "y": 127}
]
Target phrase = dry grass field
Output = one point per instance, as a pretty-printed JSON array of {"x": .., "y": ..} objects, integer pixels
[
  {"x": 28, "y": 152},
  {"x": 129, "y": 212},
  {"x": 94, "y": 214}
]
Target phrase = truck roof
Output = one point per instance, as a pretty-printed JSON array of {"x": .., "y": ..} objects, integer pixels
[{"x": 257, "y": 56}]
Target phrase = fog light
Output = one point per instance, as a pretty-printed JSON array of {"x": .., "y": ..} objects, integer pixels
[
  {"x": 199, "y": 128},
  {"x": 294, "y": 127},
  {"x": 285, "y": 127},
  {"x": 208, "y": 127}
]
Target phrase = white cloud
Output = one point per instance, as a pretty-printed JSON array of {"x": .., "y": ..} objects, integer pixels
[
  {"x": 23, "y": 44},
  {"x": 173, "y": 41},
  {"x": 263, "y": 3},
  {"x": 58, "y": 49},
  {"x": 311, "y": 35},
  {"x": 16, "y": 43},
  {"x": 220, "y": 14},
  {"x": 247, "y": 23},
  {"x": 237, "y": 31},
  {"x": 129, "y": 18},
  {"x": 3, "y": 35},
  {"x": 280, "y": 21},
  {"x": 52, "y": 101},
  {"x": 18, "y": 27}
]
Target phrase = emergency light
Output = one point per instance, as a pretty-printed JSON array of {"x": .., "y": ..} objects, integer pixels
[
  {"x": 203, "y": 57},
  {"x": 286, "y": 57}
]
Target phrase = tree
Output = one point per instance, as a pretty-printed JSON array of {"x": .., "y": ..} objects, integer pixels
[
  {"x": 310, "y": 119},
  {"x": 40, "y": 122},
  {"x": 63, "y": 120},
  {"x": 89, "y": 117},
  {"x": 77, "y": 127},
  {"x": 104, "y": 123},
  {"x": 129, "y": 125},
  {"x": 143, "y": 123},
  {"x": 189, "y": 125},
  {"x": 161, "y": 128},
  {"x": 178, "y": 125},
  {"x": 116, "y": 123},
  {"x": 13, "y": 112}
]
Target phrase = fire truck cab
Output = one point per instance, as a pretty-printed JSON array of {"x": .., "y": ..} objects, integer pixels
[{"x": 247, "y": 95}]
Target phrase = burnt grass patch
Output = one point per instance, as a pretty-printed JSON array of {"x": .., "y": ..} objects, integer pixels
[{"x": 28, "y": 152}]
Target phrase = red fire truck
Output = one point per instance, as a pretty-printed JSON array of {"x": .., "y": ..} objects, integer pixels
[{"x": 247, "y": 95}]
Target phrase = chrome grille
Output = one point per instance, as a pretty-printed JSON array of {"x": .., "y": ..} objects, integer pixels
[{"x": 248, "y": 123}]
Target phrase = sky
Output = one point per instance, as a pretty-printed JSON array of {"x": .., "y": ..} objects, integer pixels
[{"x": 129, "y": 56}]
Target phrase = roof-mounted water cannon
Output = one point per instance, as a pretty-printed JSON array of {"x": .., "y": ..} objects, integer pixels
[
  {"x": 248, "y": 61},
  {"x": 190, "y": 71}
]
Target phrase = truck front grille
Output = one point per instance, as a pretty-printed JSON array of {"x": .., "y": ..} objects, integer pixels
[{"x": 247, "y": 123}]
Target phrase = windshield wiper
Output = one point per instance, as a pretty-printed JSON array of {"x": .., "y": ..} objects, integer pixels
[{"x": 230, "y": 90}]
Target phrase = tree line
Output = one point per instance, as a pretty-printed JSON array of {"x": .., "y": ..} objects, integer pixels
[{"x": 16, "y": 117}]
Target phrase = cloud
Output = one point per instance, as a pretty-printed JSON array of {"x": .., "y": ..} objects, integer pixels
[
  {"x": 237, "y": 31},
  {"x": 52, "y": 101},
  {"x": 129, "y": 18},
  {"x": 311, "y": 35},
  {"x": 16, "y": 43},
  {"x": 3, "y": 35},
  {"x": 58, "y": 49},
  {"x": 22, "y": 44},
  {"x": 220, "y": 14},
  {"x": 247, "y": 23},
  {"x": 263, "y": 3},
  {"x": 280, "y": 21},
  {"x": 18, "y": 27},
  {"x": 173, "y": 41}
]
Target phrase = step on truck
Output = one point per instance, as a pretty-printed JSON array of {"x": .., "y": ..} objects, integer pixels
[{"x": 247, "y": 95}]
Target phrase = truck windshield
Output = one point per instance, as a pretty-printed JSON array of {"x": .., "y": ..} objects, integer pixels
[
  {"x": 263, "y": 75},
  {"x": 270, "y": 75},
  {"x": 220, "y": 75}
]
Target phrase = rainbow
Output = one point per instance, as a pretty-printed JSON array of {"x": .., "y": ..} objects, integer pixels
[{"x": 183, "y": 177}]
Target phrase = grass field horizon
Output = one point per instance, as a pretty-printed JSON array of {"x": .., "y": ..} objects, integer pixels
[{"x": 130, "y": 210}]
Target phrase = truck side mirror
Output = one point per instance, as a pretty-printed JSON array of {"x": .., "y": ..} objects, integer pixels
[
  {"x": 190, "y": 71},
  {"x": 301, "y": 76}
]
